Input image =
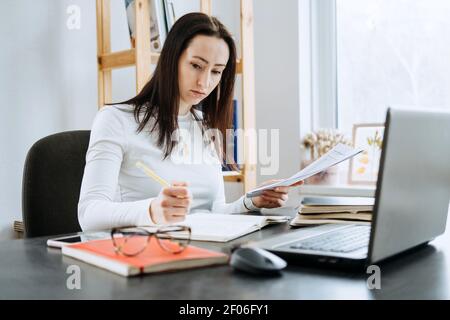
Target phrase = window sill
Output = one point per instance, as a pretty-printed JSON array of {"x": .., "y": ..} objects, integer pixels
[{"x": 337, "y": 190}]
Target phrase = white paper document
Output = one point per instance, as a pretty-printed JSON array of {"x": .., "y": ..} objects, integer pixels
[{"x": 339, "y": 153}]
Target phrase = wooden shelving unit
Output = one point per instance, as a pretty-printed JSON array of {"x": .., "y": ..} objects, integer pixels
[{"x": 142, "y": 58}]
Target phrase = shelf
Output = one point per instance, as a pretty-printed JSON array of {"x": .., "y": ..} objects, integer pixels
[
  {"x": 232, "y": 176},
  {"x": 127, "y": 58},
  {"x": 239, "y": 66},
  {"x": 142, "y": 58},
  {"x": 337, "y": 190},
  {"x": 121, "y": 59}
]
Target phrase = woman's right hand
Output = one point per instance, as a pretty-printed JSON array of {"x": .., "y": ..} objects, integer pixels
[{"x": 172, "y": 204}]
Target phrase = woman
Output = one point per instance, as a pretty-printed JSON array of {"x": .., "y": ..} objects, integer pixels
[{"x": 196, "y": 69}]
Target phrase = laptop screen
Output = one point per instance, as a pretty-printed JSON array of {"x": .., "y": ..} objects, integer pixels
[{"x": 413, "y": 188}]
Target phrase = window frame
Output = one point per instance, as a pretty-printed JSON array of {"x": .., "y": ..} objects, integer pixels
[{"x": 318, "y": 65}]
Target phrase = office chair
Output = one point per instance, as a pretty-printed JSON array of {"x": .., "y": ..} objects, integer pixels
[{"x": 51, "y": 184}]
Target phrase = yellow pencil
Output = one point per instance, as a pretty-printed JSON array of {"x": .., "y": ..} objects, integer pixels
[{"x": 152, "y": 174}]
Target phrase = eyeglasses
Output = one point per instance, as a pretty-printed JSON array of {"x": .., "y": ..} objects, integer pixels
[{"x": 133, "y": 241}]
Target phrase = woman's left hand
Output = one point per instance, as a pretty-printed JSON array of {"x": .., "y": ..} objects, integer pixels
[{"x": 273, "y": 198}]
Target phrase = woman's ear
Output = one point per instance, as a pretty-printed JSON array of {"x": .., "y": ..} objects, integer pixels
[{"x": 218, "y": 91}]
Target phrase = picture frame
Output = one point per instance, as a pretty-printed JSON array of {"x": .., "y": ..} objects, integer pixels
[
  {"x": 158, "y": 24},
  {"x": 363, "y": 168}
]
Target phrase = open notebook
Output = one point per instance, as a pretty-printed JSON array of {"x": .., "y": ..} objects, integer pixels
[{"x": 226, "y": 227}]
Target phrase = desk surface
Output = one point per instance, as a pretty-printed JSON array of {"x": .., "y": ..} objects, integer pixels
[{"x": 30, "y": 270}]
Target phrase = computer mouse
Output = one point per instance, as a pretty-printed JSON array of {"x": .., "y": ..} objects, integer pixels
[{"x": 256, "y": 260}]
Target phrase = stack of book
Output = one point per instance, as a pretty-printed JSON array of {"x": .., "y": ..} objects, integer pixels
[
  {"x": 19, "y": 229},
  {"x": 18, "y": 226},
  {"x": 314, "y": 211}
]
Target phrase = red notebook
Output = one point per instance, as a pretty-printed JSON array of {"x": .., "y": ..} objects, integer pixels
[{"x": 154, "y": 259}]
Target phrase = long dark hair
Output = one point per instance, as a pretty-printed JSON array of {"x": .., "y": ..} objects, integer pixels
[{"x": 159, "y": 99}]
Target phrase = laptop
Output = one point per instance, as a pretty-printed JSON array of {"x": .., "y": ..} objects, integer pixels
[{"x": 411, "y": 201}]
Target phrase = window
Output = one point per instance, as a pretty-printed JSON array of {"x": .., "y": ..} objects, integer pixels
[{"x": 390, "y": 53}]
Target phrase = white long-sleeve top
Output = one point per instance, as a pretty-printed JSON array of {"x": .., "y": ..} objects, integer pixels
[{"x": 115, "y": 193}]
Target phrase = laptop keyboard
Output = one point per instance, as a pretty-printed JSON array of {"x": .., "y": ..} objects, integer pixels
[{"x": 342, "y": 241}]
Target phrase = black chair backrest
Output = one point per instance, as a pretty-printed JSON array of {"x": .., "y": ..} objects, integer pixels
[{"x": 51, "y": 183}]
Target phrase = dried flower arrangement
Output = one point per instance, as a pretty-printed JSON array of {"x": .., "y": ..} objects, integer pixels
[
  {"x": 322, "y": 141},
  {"x": 319, "y": 143}
]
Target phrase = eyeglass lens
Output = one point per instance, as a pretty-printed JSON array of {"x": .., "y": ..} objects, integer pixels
[{"x": 131, "y": 243}]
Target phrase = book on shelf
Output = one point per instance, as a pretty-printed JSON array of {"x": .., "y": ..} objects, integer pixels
[
  {"x": 158, "y": 25},
  {"x": 153, "y": 259},
  {"x": 216, "y": 227},
  {"x": 232, "y": 141},
  {"x": 334, "y": 210},
  {"x": 171, "y": 16}
]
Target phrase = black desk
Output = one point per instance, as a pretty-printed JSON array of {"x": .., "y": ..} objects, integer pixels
[{"x": 30, "y": 270}]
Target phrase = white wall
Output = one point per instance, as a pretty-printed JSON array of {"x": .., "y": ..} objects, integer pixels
[
  {"x": 48, "y": 83},
  {"x": 277, "y": 79},
  {"x": 48, "y": 80}
]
